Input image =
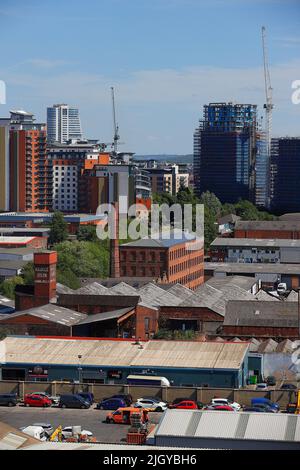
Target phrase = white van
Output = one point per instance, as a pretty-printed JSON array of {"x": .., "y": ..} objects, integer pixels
[
  {"x": 148, "y": 380},
  {"x": 35, "y": 431}
]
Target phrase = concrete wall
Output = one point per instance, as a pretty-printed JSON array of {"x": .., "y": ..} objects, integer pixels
[{"x": 165, "y": 393}]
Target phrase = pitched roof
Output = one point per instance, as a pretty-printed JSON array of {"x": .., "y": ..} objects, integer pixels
[
  {"x": 49, "y": 312},
  {"x": 189, "y": 354},
  {"x": 261, "y": 313},
  {"x": 268, "y": 225}
]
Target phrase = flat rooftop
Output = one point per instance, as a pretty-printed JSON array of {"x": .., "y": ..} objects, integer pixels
[
  {"x": 6, "y": 240},
  {"x": 252, "y": 268},
  {"x": 255, "y": 242}
]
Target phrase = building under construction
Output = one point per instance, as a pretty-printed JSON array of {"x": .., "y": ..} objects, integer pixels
[{"x": 225, "y": 146}]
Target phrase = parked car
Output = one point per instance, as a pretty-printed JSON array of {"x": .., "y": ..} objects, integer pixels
[
  {"x": 185, "y": 405},
  {"x": 8, "y": 399},
  {"x": 288, "y": 387},
  {"x": 273, "y": 407},
  {"x": 88, "y": 396},
  {"x": 55, "y": 400},
  {"x": 254, "y": 409},
  {"x": 73, "y": 401},
  {"x": 48, "y": 428},
  {"x": 226, "y": 402},
  {"x": 68, "y": 432},
  {"x": 37, "y": 400},
  {"x": 123, "y": 415},
  {"x": 219, "y": 408},
  {"x": 151, "y": 403},
  {"x": 262, "y": 386},
  {"x": 111, "y": 404},
  {"x": 265, "y": 407},
  {"x": 123, "y": 396}
]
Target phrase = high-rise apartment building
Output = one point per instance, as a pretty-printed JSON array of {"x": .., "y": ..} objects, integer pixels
[
  {"x": 286, "y": 174},
  {"x": 68, "y": 161},
  {"x": 63, "y": 123},
  {"x": 225, "y": 151},
  {"x": 4, "y": 164},
  {"x": 25, "y": 173}
]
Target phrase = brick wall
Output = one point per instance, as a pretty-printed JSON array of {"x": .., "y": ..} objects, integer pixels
[
  {"x": 259, "y": 331},
  {"x": 282, "y": 234}
]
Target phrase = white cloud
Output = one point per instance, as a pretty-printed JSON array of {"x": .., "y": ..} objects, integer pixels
[{"x": 158, "y": 103}]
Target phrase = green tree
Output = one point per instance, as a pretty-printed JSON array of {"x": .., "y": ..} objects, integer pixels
[
  {"x": 212, "y": 203},
  {"x": 7, "y": 287},
  {"x": 87, "y": 233},
  {"x": 58, "y": 228},
  {"x": 27, "y": 273}
]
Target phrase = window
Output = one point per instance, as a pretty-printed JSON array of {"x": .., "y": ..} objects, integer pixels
[{"x": 147, "y": 324}]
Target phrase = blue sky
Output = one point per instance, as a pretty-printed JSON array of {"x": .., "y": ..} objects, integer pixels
[{"x": 166, "y": 58}]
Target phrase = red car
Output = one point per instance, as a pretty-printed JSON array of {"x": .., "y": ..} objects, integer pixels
[
  {"x": 219, "y": 407},
  {"x": 185, "y": 405},
  {"x": 36, "y": 400}
]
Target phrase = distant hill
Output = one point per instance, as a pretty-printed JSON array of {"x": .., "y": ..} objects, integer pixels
[{"x": 166, "y": 157}]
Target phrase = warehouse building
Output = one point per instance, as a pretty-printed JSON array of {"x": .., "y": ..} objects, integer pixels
[
  {"x": 286, "y": 229},
  {"x": 231, "y": 431},
  {"x": 189, "y": 363},
  {"x": 269, "y": 274},
  {"x": 250, "y": 250}
]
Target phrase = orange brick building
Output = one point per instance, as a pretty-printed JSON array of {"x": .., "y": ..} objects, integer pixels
[
  {"x": 30, "y": 179},
  {"x": 172, "y": 261}
]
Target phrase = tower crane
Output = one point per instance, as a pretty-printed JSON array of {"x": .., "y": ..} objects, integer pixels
[
  {"x": 268, "y": 106},
  {"x": 116, "y": 127}
]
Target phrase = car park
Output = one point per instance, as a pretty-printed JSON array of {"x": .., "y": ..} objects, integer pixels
[
  {"x": 8, "y": 399},
  {"x": 225, "y": 402},
  {"x": 185, "y": 405},
  {"x": 111, "y": 404},
  {"x": 152, "y": 404},
  {"x": 37, "y": 400},
  {"x": 73, "y": 401}
]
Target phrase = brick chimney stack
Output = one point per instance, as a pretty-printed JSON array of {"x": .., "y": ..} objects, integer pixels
[{"x": 114, "y": 245}]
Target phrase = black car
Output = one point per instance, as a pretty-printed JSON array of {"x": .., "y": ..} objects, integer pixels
[
  {"x": 88, "y": 396},
  {"x": 255, "y": 409},
  {"x": 8, "y": 399},
  {"x": 73, "y": 401},
  {"x": 122, "y": 396},
  {"x": 288, "y": 387}
]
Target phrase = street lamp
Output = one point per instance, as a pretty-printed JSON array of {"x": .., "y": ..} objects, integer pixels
[{"x": 79, "y": 368}]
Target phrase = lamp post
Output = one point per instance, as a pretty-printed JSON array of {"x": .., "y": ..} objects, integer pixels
[{"x": 79, "y": 368}]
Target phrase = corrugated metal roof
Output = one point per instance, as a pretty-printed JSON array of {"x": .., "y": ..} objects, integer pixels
[
  {"x": 256, "y": 242},
  {"x": 267, "y": 225},
  {"x": 49, "y": 312},
  {"x": 16, "y": 240},
  {"x": 259, "y": 268},
  {"x": 98, "y": 317},
  {"x": 235, "y": 425},
  {"x": 261, "y": 313},
  {"x": 189, "y": 354}
]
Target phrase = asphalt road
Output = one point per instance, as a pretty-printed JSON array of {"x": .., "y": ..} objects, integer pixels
[{"x": 91, "y": 420}]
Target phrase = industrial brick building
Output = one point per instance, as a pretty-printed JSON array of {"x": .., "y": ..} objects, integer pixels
[
  {"x": 173, "y": 260},
  {"x": 269, "y": 274},
  {"x": 261, "y": 319},
  {"x": 287, "y": 229},
  {"x": 23, "y": 242}
]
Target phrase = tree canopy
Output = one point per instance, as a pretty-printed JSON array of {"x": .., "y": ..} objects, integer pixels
[{"x": 58, "y": 228}]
